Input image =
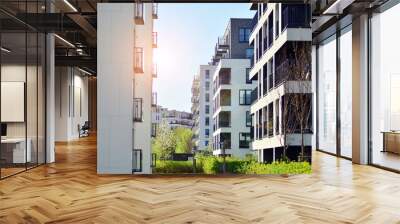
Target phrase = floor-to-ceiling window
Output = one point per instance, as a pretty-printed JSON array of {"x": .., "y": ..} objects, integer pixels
[
  {"x": 385, "y": 89},
  {"x": 22, "y": 98},
  {"x": 327, "y": 95},
  {"x": 345, "y": 60}
]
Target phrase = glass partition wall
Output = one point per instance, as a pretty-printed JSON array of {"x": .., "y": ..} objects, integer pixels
[{"x": 22, "y": 90}]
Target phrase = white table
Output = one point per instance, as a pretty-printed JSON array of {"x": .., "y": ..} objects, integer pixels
[{"x": 19, "y": 154}]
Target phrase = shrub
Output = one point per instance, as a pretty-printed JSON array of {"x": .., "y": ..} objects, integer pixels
[
  {"x": 276, "y": 168},
  {"x": 169, "y": 166},
  {"x": 213, "y": 165}
]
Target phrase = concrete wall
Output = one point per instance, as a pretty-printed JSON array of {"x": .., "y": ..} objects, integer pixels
[{"x": 115, "y": 44}]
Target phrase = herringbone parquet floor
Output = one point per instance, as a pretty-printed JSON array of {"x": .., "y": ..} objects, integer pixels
[{"x": 69, "y": 191}]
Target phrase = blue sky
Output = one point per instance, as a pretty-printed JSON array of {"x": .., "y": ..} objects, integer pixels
[{"x": 187, "y": 34}]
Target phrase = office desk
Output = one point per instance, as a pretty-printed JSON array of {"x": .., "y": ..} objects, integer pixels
[
  {"x": 13, "y": 150},
  {"x": 391, "y": 141}
]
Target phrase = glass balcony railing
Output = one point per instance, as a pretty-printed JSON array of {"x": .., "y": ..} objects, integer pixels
[{"x": 296, "y": 16}]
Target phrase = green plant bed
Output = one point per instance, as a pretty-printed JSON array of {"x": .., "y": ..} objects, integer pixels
[
  {"x": 277, "y": 168},
  {"x": 213, "y": 165},
  {"x": 169, "y": 166}
]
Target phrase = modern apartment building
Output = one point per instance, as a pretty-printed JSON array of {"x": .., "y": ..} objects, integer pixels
[
  {"x": 281, "y": 103},
  {"x": 232, "y": 91},
  {"x": 202, "y": 107},
  {"x": 177, "y": 119},
  {"x": 356, "y": 81},
  {"x": 125, "y": 76}
]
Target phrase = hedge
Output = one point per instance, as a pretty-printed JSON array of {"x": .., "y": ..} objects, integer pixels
[{"x": 213, "y": 165}]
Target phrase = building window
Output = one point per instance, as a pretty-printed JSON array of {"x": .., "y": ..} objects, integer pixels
[
  {"x": 249, "y": 53},
  {"x": 207, "y": 109},
  {"x": 207, "y": 132},
  {"x": 206, "y": 143},
  {"x": 207, "y": 121},
  {"x": 270, "y": 119},
  {"x": 207, "y": 97},
  {"x": 248, "y": 119},
  {"x": 244, "y": 34},
  {"x": 248, "y": 81},
  {"x": 207, "y": 74},
  {"x": 245, "y": 97},
  {"x": 207, "y": 86},
  {"x": 244, "y": 140}
]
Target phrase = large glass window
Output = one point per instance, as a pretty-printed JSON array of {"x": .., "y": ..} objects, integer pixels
[
  {"x": 346, "y": 92},
  {"x": 385, "y": 89},
  {"x": 327, "y": 95}
]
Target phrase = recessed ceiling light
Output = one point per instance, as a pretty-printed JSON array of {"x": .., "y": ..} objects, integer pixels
[
  {"x": 70, "y": 5},
  {"x": 5, "y": 50}
]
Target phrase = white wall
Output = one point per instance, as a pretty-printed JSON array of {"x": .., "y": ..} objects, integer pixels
[
  {"x": 115, "y": 44},
  {"x": 71, "y": 102}
]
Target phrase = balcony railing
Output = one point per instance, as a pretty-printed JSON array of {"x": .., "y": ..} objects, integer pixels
[
  {"x": 296, "y": 16},
  {"x": 155, "y": 41},
  {"x": 154, "y": 99},
  {"x": 137, "y": 109},
  {"x": 155, "y": 71},
  {"x": 138, "y": 66},
  {"x": 155, "y": 11},
  {"x": 139, "y": 14},
  {"x": 137, "y": 159}
]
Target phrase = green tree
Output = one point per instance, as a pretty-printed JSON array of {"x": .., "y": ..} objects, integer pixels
[
  {"x": 164, "y": 143},
  {"x": 184, "y": 142}
]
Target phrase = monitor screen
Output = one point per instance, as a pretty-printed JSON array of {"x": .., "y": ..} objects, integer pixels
[{"x": 3, "y": 129}]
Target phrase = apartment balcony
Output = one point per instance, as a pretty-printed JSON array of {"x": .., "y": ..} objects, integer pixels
[
  {"x": 155, "y": 71},
  {"x": 155, "y": 40},
  {"x": 154, "y": 99},
  {"x": 296, "y": 16},
  {"x": 155, "y": 11},
  {"x": 224, "y": 77},
  {"x": 225, "y": 97},
  {"x": 222, "y": 44},
  {"x": 137, "y": 109},
  {"x": 224, "y": 119},
  {"x": 139, "y": 14},
  {"x": 138, "y": 65}
]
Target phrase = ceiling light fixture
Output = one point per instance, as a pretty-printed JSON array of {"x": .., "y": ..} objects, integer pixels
[
  {"x": 70, "y": 5},
  {"x": 5, "y": 50},
  {"x": 84, "y": 71},
  {"x": 64, "y": 40}
]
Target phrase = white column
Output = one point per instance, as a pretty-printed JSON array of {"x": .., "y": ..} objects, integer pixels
[
  {"x": 50, "y": 99},
  {"x": 115, "y": 47},
  {"x": 360, "y": 90}
]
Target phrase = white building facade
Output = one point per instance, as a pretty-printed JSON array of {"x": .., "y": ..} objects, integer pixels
[
  {"x": 231, "y": 114},
  {"x": 125, "y": 76},
  {"x": 280, "y": 34},
  {"x": 202, "y": 106}
]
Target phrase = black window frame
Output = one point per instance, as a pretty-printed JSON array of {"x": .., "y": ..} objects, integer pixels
[{"x": 246, "y": 97}]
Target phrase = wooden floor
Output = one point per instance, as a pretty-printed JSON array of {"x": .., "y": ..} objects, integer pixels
[{"x": 70, "y": 191}]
